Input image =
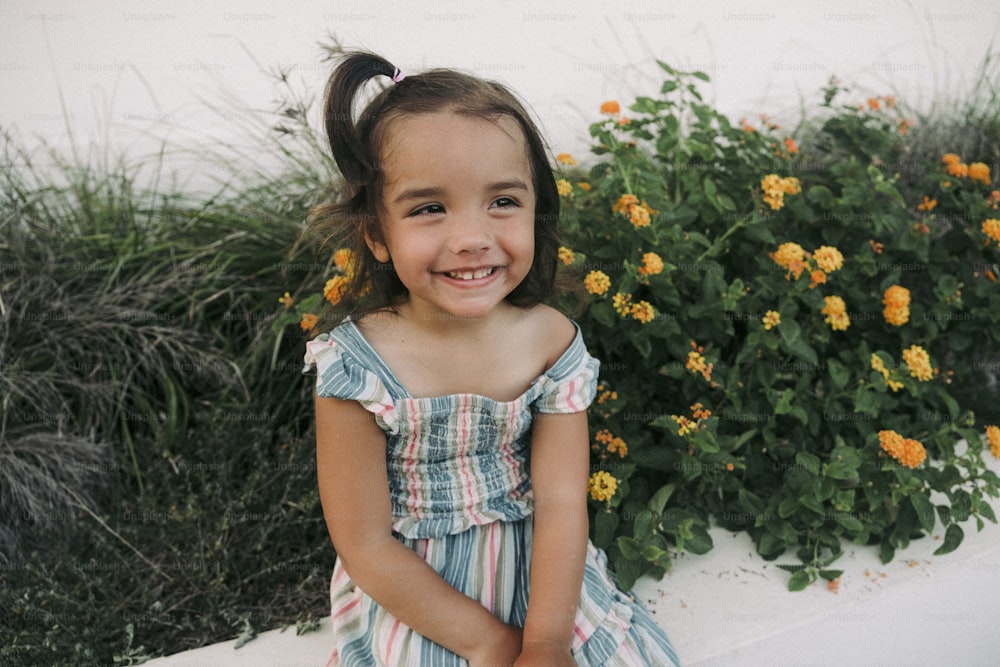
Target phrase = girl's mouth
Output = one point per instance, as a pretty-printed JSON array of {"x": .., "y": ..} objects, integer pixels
[{"x": 472, "y": 274}]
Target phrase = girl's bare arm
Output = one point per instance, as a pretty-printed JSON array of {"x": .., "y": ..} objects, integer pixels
[
  {"x": 354, "y": 490},
  {"x": 559, "y": 471}
]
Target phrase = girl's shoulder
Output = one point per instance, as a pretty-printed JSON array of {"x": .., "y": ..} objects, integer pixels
[{"x": 549, "y": 331}]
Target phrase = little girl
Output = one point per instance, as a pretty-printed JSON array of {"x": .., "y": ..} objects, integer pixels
[{"x": 451, "y": 427}]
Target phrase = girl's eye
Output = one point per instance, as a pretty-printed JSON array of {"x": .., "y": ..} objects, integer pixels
[
  {"x": 505, "y": 202},
  {"x": 430, "y": 209}
]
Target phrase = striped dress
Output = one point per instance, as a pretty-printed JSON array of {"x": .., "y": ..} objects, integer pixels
[{"x": 461, "y": 499}]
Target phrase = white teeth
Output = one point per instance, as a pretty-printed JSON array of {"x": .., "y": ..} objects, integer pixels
[{"x": 471, "y": 275}]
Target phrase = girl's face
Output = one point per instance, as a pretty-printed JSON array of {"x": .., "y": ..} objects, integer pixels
[{"x": 458, "y": 217}]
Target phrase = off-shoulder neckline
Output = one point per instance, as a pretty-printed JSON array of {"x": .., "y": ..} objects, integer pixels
[{"x": 406, "y": 394}]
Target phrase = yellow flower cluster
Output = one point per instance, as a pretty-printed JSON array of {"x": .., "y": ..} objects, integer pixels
[
  {"x": 566, "y": 256},
  {"x": 614, "y": 444},
  {"x": 638, "y": 213},
  {"x": 286, "y": 300},
  {"x": 602, "y": 486},
  {"x": 622, "y": 304},
  {"x": 775, "y": 188},
  {"x": 643, "y": 311},
  {"x": 835, "y": 311},
  {"x": 597, "y": 282},
  {"x": 919, "y": 363},
  {"x": 652, "y": 264},
  {"x": 696, "y": 362},
  {"x": 771, "y": 319},
  {"x": 564, "y": 187},
  {"x": 897, "y": 305},
  {"x": 879, "y": 365},
  {"x": 977, "y": 171},
  {"x": 993, "y": 437},
  {"x": 907, "y": 451},
  {"x": 686, "y": 425},
  {"x": 991, "y": 228}
]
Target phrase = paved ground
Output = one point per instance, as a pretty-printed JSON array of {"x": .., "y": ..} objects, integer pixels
[{"x": 730, "y": 608}]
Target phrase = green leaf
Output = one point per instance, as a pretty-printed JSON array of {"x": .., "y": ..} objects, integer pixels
[
  {"x": 799, "y": 581},
  {"x": 831, "y": 575},
  {"x": 953, "y": 537},
  {"x": 629, "y": 547},
  {"x": 925, "y": 510},
  {"x": 784, "y": 402},
  {"x": 660, "y": 498},
  {"x": 838, "y": 373},
  {"x": 605, "y": 524},
  {"x": 790, "y": 331},
  {"x": 700, "y": 541},
  {"x": 839, "y": 470}
]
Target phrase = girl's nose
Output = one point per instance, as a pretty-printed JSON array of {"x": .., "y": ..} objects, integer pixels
[{"x": 470, "y": 233}]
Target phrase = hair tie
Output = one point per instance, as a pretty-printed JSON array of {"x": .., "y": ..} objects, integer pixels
[{"x": 397, "y": 75}]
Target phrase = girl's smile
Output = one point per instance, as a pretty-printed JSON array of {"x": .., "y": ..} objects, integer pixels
[{"x": 458, "y": 219}]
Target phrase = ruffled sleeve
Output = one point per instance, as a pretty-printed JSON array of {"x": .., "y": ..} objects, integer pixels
[
  {"x": 341, "y": 374},
  {"x": 571, "y": 383}
]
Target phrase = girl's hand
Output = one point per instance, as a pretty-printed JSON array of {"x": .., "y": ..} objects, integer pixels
[
  {"x": 498, "y": 650},
  {"x": 545, "y": 654}
]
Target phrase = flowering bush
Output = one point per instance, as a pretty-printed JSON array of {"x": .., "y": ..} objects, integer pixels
[
  {"x": 780, "y": 330},
  {"x": 804, "y": 396}
]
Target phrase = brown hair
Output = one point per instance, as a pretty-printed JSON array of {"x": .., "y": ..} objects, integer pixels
[{"x": 356, "y": 146}]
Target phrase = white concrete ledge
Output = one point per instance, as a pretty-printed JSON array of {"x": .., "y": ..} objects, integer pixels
[{"x": 730, "y": 607}]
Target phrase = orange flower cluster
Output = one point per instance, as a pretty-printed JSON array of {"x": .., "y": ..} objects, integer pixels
[
  {"x": 638, "y": 213},
  {"x": 993, "y": 200},
  {"x": 909, "y": 452},
  {"x": 604, "y": 394},
  {"x": 775, "y": 188},
  {"x": 977, "y": 171},
  {"x": 696, "y": 362},
  {"x": 835, "y": 311},
  {"x": 611, "y": 108},
  {"x": 993, "y": 437},
  {"x": 565, "y": 158},
  {"x": 652, "y": 264},
  {"x": 286, "y": 300},
  {"x": 991, "y": 228},
  {"x": 335, "y": 288},
  {"x": 927, "y": 205},
  {"x": 792, "y": 256},
  {"x": 614, "y": 444},
  {"x": 308, "y": 321},
  {"x": 919, "y": 363},
  {"x": 897, "y": 305}
]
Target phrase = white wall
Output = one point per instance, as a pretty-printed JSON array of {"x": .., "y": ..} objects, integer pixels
[{"x": 129, "y": 69}]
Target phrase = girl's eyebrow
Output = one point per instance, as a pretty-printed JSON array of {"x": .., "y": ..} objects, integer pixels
[{"x": 423, "y": 193}]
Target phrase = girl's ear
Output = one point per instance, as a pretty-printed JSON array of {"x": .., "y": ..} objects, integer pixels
[{"x": 378, "y": 248}]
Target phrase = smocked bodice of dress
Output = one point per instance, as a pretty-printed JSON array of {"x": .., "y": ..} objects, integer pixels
[{"x": 454, "y": 461}]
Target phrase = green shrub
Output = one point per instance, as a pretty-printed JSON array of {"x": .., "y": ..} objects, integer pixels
[{"x": 772, "y": 323}]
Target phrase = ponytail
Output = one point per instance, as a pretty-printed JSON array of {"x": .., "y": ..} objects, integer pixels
[{"x": 353, "y": 157}]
